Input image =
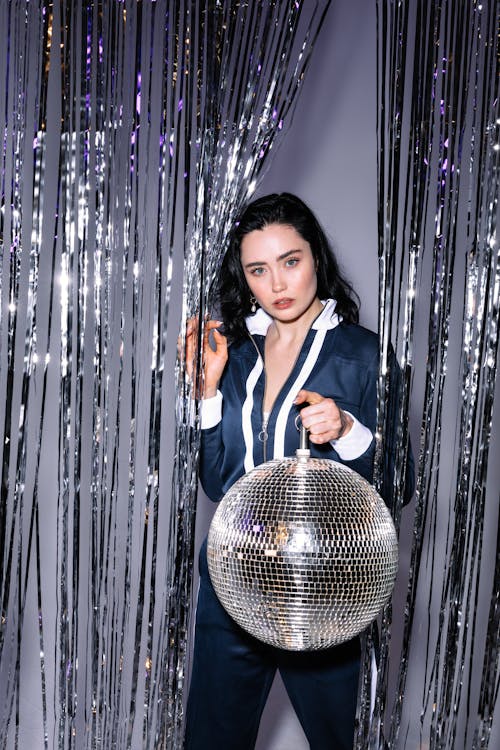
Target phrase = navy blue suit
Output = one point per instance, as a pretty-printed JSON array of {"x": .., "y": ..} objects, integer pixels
[{"x": 232, "y": 671}]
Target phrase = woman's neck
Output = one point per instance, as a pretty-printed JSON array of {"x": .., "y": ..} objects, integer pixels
[{"x": 288, "y": 332}]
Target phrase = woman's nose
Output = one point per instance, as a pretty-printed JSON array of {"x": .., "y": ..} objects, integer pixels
[{"x": 278, "y": 282}]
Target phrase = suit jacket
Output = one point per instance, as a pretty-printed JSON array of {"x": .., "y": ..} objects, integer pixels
[{"x": 337, "y": 360}]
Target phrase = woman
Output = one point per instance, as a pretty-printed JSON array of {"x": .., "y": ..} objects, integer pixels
[{"x": 295, "y": 347}]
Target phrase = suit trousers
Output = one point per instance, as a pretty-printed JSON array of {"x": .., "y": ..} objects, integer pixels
[{"x": 233, "y": 673}]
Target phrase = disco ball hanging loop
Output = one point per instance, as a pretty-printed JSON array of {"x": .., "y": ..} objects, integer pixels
[{"x": 302, "y": 552}]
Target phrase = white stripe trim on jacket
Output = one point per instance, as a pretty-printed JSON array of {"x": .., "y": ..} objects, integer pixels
[
  {"x": 311, "y": 359},
  {"x": 246, "y": 413}
]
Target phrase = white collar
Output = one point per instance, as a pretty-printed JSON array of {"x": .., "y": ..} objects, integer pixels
[{"x": 326, "y": 320}]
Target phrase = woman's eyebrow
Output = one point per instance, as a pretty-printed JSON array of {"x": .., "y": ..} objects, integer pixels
[
  {"x": 289, "y": 252},
  {"x": 255, "y": 263},
  {"x": 280, "y": 257}
]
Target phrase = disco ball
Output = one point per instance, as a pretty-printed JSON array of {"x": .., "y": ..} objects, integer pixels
[{"x": 302, "y": 553}]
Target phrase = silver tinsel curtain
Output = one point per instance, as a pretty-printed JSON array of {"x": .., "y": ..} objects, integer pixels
[
  {"x": 438, "y": 171},
  {"x": 130, "y": 134}
]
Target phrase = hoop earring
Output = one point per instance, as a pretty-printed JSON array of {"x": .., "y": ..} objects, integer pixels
[{"x": 253, "y": 303}]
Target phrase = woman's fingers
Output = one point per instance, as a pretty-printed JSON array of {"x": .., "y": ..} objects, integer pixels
[
  {"x": 190, "y": 342},
  {"x": 220, "y": 342},
  {"x": 211, "y": 357},
  {"x": 310, "y": 397},
  {"x": 322, "y": 417},
  {"x": 210, "y": 327},
  {"x": 210, "y": 324},
  {"x": 214, "y": 354},
  {"x": 192, "y": 331}
]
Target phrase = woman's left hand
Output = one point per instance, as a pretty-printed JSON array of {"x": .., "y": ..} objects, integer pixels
[{"x": 324, "y": 420}]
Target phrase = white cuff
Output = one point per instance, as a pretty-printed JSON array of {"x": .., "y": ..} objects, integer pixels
[
  {"x": 355, "y": 443},
  {"x": 211, "y": 411}
]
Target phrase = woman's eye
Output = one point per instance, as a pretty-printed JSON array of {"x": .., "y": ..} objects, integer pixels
[
  {"x": 291, "y": 262},
  {"x": 257, "y": 271}
]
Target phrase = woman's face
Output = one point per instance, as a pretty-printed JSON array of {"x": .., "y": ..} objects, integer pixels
[{"x": 280, "y": 270}]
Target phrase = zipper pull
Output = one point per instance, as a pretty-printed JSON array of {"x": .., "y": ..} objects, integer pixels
[{"x": 263, "y": 433}]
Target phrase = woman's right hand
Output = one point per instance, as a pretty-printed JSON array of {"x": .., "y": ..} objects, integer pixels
[{"x": 214, "y": 360}]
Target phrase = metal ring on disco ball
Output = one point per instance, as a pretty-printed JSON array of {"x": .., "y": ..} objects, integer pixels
[{"x": 302, "y": 553}]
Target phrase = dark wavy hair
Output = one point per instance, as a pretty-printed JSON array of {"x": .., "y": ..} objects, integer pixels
[{"x": 279, "y": 208}]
